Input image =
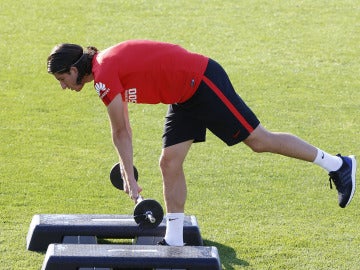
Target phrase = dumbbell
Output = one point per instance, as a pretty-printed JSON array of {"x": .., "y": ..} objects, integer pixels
[{"x": 148, "y": 213}]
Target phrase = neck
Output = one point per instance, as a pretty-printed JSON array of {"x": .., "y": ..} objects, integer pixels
[{"x": 88, "y": 78}]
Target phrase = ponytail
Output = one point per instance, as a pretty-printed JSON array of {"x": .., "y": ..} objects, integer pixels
[{"x": 84, "y": 63}]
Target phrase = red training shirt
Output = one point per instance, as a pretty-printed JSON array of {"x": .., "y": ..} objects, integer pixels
[{"x": 149, "y": 72}]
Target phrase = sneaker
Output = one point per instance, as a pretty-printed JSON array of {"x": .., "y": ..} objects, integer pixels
[
  {"x": 162, "y": 243},
  {"x": 344, "y": 180}
]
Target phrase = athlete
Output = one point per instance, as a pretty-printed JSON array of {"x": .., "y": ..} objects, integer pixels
[{"x": 200, "y": 97}]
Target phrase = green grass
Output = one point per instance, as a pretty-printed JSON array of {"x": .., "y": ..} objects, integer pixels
[{"x": 296, "y": 63}]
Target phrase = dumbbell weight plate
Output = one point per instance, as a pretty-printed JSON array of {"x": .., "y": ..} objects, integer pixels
[
  {"x": 142, "y": 208},
  {"x": 116, "y": 178}
]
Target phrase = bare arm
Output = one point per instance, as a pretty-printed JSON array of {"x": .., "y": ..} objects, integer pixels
[{"x": 121, "y": 135}]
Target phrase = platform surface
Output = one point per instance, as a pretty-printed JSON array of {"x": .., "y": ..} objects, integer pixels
[
  {"x": 72, "y": 257},
  {"x": 46, "y": 229}
]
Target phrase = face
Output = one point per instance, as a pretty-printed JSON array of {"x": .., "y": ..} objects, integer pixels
[{"x": 68, "y": 80}]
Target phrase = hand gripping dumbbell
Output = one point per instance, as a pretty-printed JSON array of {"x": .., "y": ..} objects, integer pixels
[{"x": 148, "y": 213}]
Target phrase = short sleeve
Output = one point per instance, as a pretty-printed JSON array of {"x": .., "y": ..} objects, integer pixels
[{"x": 108, "y": 86}]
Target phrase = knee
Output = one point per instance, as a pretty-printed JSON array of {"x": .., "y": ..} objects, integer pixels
[
  {"x": 169, "y": 165},
  {"x": 260, "y": 140},
  {"x": 258, "y": 147},
  {"x": 164, "y": 163}
]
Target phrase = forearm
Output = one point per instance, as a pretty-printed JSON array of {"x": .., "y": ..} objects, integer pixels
[
  {"x": 121, "y": 135},
  {"x": 123, "y": 144}
]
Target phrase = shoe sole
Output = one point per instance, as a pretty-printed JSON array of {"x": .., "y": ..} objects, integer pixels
[{"x": 353, "y": 179}]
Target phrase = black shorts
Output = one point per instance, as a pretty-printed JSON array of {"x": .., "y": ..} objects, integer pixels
[{"x": 214, "y": 106}]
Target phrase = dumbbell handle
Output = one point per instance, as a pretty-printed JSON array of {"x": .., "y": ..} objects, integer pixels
[
  {"x": 148, "y": 214},
  {"x": 139, "y": 199},
  {"x": 150, "y": 217}
]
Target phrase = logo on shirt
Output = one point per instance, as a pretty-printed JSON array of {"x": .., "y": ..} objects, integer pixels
[
  {"x": 131, "y": 95},
  {"x": 101, "y": 89}
]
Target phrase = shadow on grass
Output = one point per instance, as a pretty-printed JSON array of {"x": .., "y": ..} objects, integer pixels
[{"x": 227, "y": 255}]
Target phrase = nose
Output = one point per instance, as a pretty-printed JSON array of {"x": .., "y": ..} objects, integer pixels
[{"x": 63, "y": 85}]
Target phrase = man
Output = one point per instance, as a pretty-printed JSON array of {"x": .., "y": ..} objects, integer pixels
[{"x": 200, "y": 96}]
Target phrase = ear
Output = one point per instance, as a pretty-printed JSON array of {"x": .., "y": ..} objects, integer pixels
[{"x": 74, "y": 70}]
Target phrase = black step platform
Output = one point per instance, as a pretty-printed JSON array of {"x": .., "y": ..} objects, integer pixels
[
  {"x": 73, "y": 257},
  {"x": 46, "y": 229}
]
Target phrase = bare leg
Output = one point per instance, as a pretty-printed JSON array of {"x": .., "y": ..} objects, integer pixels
[
  {"x": 342, "y": 169},
  {"x": 262, "y": 140},
  {"x": 174, "y": 186},
  {"x": 171, "y": 165}
]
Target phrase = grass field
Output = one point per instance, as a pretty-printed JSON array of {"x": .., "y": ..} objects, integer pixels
[{"x": 296, "y": 63}]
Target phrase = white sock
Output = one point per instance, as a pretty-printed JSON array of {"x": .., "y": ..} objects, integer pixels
[
  {"x": 174, "y": 229},
  {"x": 328, "y": 162}
]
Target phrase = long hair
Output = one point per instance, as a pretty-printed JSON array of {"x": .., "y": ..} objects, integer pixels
[{"x": 66, "y": 55}]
